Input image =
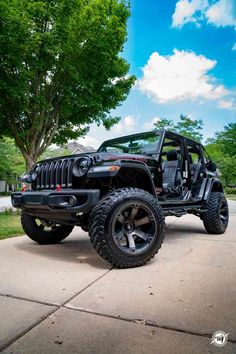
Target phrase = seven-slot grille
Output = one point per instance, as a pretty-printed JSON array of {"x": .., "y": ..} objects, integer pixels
[{"x": 55, "y": 173}]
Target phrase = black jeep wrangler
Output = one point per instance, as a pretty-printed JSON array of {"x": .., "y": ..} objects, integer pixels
[{"x": 122, "y": 193}]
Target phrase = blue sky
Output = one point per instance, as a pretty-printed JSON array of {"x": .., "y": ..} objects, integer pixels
[{"x": 183, "y": 54}]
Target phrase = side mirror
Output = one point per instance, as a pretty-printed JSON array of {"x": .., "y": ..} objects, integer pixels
[{"x": 211, "y": 166}]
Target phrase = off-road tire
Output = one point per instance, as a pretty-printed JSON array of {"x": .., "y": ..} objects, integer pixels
[
  {"x": 40, "y": 236},
  {"x": 100, "y": 230},
  {"x": 212, "y": 218}
]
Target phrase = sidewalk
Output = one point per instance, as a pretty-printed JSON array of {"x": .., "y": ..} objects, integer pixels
[{"x": 65, "y": 299}]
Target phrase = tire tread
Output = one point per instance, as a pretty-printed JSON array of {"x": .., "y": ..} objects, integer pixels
[
  {"x": 40, "y": 236},
  {"x": 97, "y": 222},
  {"x": 211, "y": 219}
]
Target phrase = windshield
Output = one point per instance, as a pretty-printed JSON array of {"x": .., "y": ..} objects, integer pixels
[{"x": 145, "y": 143}]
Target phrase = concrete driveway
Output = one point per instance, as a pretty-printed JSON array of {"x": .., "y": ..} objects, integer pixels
[{"x": 65, "y": 299}]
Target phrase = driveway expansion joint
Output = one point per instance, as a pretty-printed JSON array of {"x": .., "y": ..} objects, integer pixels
[
  {"x": 142, "y": 322},
  {"x": 52, "y": 303},
  {"x": 172, "y": 229},
  {"x": 67, "y": 306},
  {"x": 28, "y": 329},
  {"x": 86, "y": 287},
  {"x": 56, "y": 307},
  {"x": 30, "y": 300}
]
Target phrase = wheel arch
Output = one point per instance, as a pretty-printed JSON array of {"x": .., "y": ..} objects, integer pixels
[
  {"x": 217, "y": 187},
  {"x": 213, "y": 185},
  {"x": 143, "y": 176}
]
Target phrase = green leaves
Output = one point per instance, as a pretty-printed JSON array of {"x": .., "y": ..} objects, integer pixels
[
  {"x": 191, "y": 128},
  {"x": 186, "y": 126},
  {"x": 222, "y": 148},
  {"x": 60, "y": 68},
  {"x": 165, "y": 124},
  {"x": 227, "y": 139},
  {"x": 11, "y": 161}
]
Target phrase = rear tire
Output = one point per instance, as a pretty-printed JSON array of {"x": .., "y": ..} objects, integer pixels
[
  {"x": 126, "y": 227},
  {"x": 44, "y": 232},
  {"x": 216, "y": 218}
]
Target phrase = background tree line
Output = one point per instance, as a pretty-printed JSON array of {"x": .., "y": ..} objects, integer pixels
[{"x": 221, "y": 147}]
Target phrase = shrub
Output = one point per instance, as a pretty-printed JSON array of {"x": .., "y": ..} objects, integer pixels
[{"x": 10, "y": 211}]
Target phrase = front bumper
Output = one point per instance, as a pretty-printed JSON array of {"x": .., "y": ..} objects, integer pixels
[{"x": 67, "y": 201}]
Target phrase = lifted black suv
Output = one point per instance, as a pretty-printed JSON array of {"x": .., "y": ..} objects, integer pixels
[{"x": 122, "y": 193}]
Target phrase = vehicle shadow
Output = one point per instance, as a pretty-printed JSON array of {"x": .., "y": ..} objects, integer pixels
[
  {"x": 78, "y": 249},
  {"x": 177, "y": 230},
  {"x": 73, "y": 250}
]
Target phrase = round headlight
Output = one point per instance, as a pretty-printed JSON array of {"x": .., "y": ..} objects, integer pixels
[
  {"x": 80, "y": 167},
  {"x": 34, "y": 173},
  {"x": 26, "y": 178}
]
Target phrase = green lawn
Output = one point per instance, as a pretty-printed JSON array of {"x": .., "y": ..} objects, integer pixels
[
  {"x": 10, "y": 226},
  {"x": 231, "y": 196}
]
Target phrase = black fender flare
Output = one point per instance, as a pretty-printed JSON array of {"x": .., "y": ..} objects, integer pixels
[
  {"x": 213, "y": 185},
  {"x": 110, "y": 170},
  {"x": 142, "y": 168}
]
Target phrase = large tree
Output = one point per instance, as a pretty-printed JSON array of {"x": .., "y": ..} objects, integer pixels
[{"x": 60, "y": 69}]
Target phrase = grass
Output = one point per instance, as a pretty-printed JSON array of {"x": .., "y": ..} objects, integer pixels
[
  {"x": 231, "y": 196},
  {"x": 10, "y": 225}
]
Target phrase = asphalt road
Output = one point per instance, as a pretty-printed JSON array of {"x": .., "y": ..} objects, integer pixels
[{"x": 65, "y": 299}]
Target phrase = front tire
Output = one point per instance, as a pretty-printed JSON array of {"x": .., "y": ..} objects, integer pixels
[
  {"x": 216, "y": 218},
  {"x": 42, "y": 231},
  {"x": 126, "y": 227}
]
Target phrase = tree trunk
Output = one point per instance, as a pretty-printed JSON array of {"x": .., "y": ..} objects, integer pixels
[{"x": 29, "y": 162}]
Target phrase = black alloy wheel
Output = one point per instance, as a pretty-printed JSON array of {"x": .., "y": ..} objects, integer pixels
[
  {"x": 134, "y": 228},
  {"x": 126, "y": 227}
]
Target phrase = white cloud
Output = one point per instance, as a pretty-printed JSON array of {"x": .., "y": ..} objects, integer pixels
[
  {"x": 98, "y": 134},
  {"x": 150, "y": 124},
  {"x": 180, "y": 76},
  {"x": 126, "y": 125},
  {"x": 234, "y": 46},
  {"x": 220, "y": 13},
  {"x": 227, "y": 104},
  {"x": 87, "y": 141},
  {"x": 188, "y": 11}
]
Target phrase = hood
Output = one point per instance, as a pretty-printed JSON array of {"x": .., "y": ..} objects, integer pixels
[{"x": 99, "y": 157}]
